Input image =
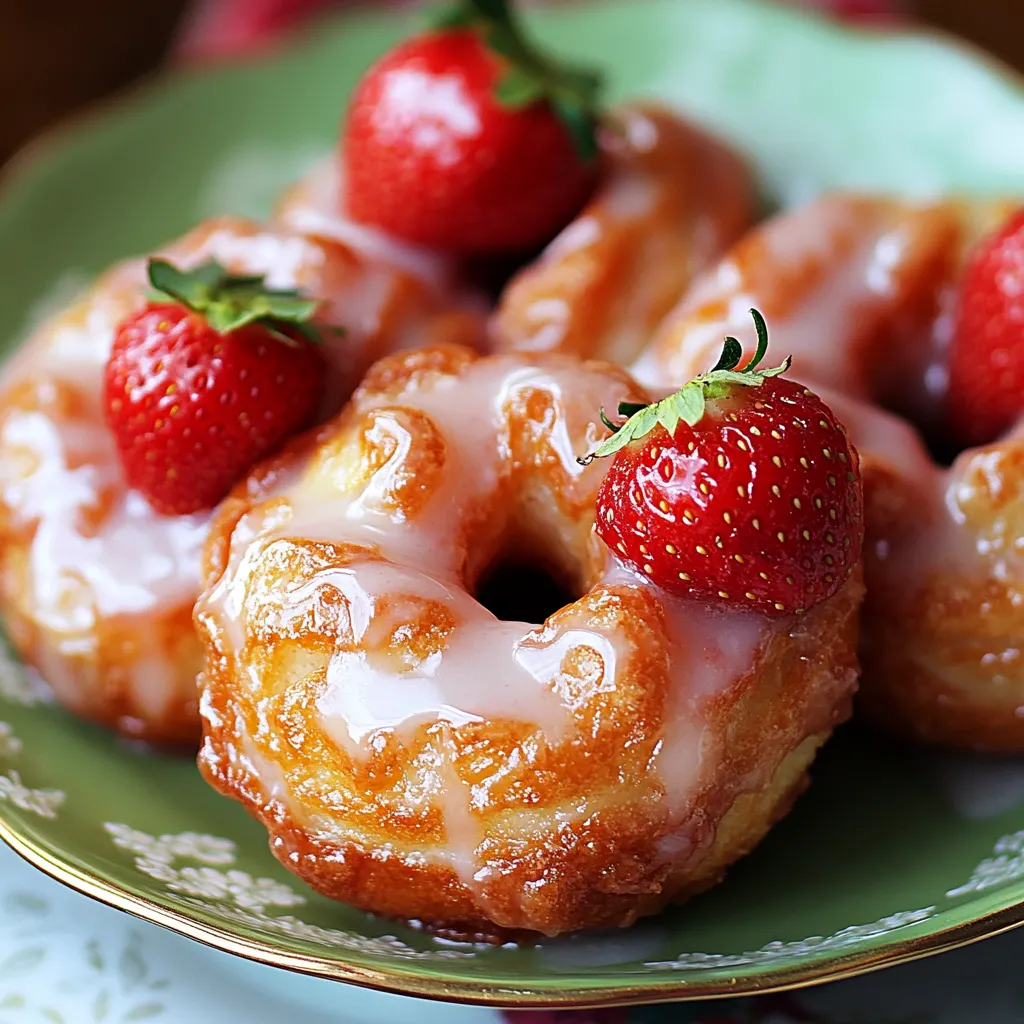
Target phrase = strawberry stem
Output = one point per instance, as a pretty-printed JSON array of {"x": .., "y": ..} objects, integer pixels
[
  {"x": 532, "y": 76},
  {"x": 688, "y": 403},
  {"x": 231, "y": 301}
]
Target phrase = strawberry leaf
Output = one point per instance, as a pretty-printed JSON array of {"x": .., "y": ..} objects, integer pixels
[
  {"x": 224, "y": 319},
  {"x": 451, "y": 17},
  {"x": 579, "y": 123},
  {"x": 188, "y": 288},
  {"x": 229, "y": 302},
  {"x": 732, "y": 353},
  {"x": 289, "y": 306},
  {"x": 532, "y": 76},
  {"x": 762, "y": 340},
  {"x": 518, "y": 88},
  {"x": 494, "y": 10},
  {"x": 688, "y": 403}
]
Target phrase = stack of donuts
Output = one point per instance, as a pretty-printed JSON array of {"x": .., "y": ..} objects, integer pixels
[{"x": 266, "y": 511}]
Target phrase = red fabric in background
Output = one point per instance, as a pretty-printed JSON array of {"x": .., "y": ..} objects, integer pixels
[{"x": 226, "y": 28}]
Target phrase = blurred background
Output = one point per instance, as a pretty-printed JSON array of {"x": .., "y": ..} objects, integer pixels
[{"x": 58, "y": 55}]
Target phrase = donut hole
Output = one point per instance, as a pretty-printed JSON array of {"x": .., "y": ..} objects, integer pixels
[{"x": 517, "y": 590}]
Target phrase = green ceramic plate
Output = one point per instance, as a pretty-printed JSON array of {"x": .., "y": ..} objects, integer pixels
[{"x": 890, "y": 856}]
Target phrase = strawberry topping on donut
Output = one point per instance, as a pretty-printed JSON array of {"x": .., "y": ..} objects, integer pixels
[
  {"x": 740, "y": 489},
  {"x": 467, "y": 139},
  {"x": 207, "y": 380},
  {"x": 986, "y": 366}
]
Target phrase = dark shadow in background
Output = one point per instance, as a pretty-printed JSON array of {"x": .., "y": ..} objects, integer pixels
[{"x": 57, "y": 55}]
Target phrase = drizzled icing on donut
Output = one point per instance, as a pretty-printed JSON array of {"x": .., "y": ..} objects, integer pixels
[
  {"x": 418, "y": 530},
  {"x": 825, "y": 275},
  {"x": 94, "y": 551},
  {"x": 671, "y": 200},
  {"x": 849, "y": 285},
  {"x": 314, "y": 207},
  {"x": 64, "y": 474},
  {"x": 364, "y": 693},
  {"x": 101, "y": 573}
]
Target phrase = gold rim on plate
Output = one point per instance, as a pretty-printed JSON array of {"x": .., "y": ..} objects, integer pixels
[{"x": 483, "y": 993}]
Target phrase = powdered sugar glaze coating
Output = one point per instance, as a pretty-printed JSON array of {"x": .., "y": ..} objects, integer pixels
[
  {"x": 671, "y": 200},
  {"x": 97, "y": 588},
  {"x": 861, "y": 291},
  {"x": 414, "y": 755}
]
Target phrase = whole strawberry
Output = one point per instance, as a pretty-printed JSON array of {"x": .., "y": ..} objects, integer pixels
[
  {"x": 741, "y": 489},
  {"x": 986, "y": 365},
  {"x": 201, "y": 386},
  {"x": 467, "y": 140}
]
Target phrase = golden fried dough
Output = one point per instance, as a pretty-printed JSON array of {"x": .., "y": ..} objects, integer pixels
[
  {"x": 414, "y": 755},
  {"x": 672, "y": 200},
  {"x": 860, "y": 291},
  {"x": 96, "y": 588}
]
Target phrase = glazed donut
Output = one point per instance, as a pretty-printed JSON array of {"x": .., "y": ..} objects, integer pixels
[
  {"x": 414, "y": 755},
  {"x": 672, "y": 200},
  {"x": 861, "y": 292},
  {"x": 96, "y": 588}
]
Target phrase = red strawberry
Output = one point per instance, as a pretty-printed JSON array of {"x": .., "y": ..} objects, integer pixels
[
  {"x": 741, "y": 489},
  {"x": 201, "y": 386},
  {"x": 986, "y": 364},
  {"x": 467, "y": 140}
]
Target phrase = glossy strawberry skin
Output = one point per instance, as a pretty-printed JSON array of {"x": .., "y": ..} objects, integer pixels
[
  {"x": 432, "y": 157},
  {"x": 192, "y": 409},
  {"x": 758, "y": 505},
  {"x": 986, "y": 366}
]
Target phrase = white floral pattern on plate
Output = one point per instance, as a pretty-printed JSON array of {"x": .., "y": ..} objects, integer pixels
[
  {"x": 156, "y": 855},
  {"x": 43, "y": 802},
  {"x": 65, "y": 959},
  {"x": 1004, "y": 865},
  {"x": 16, "y": 684},
  {"x": 236, "y": 896},
  {"x": 844, "y": 938},
  {"x": 10, "y": 745}
]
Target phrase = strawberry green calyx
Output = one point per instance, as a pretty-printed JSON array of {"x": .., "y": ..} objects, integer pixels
[
  {"x": 687, "y": 404},
  {"x": 229, "y": 302},
  {"x": 532, "y": 76}
]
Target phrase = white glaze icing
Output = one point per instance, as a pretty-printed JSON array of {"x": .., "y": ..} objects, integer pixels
[
  {"x": 669, "y": 201},
  {"x": 488, "y": 669},
  {"x": 98, "y": 557},
  {"x": 316, "y": 207},
  {"x": 829, "y": 299},
  {"x": 133, "y": 561},
  {"x": 61, "y": 469},
  {"x": 710, "y": 648},
  {"x": 97, "y": 551},
  {"x": 365, "y": 693},
  {"x": 833, "y": 271}
]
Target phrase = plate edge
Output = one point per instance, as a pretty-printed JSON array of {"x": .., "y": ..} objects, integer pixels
[{"x": 398, "y": 982}]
